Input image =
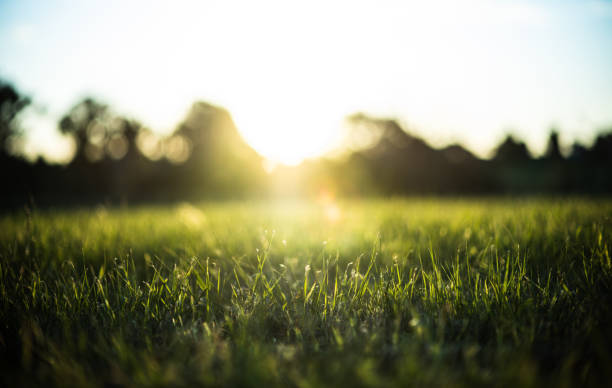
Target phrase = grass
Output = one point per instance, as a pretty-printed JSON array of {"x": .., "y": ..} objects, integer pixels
[{"x": 400, "y": 292}]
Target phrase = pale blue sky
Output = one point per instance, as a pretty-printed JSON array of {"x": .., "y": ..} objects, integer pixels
[{"x": 450, "y": 71}]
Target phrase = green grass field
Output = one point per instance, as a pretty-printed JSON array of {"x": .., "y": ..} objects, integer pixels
[{"x": 374, "y": 293}]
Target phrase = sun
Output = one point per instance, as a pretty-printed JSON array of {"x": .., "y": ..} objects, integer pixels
[{"x": 287, "y": 132}]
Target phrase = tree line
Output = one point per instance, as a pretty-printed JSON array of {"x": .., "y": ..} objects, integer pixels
[{"x": 117, "y": 159}]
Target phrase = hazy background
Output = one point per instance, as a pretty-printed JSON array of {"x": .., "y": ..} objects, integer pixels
[{"x": 289, "y": 73}]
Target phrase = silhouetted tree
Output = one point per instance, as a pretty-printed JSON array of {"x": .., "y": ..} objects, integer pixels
[
  {"x": 601, "y": 151},
  {"x": 401, "y": 163},
  {"x": 131, "y": 129},
  {"x": 11, "y": 104},
  {"x": 220, "y": 159},
  {"x": 455, "y": 153},
  {"x": 578, "y": 152},
  {"x": 122, "y": 134},
  {"x": 87, "y": 123},
  {"x": 511, "y": 151},
  {"x": 552, "y": 149}
]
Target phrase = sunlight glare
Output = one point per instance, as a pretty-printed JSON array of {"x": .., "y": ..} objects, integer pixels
[
  {"x": 285, "y": 131},
  {"x": 330, "y": 209}
]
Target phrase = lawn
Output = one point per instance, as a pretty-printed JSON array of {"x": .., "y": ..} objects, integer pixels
[{"x": 397, "y": 292}]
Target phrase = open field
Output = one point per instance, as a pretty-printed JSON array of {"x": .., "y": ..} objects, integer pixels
[{"x": 359, "y": 293}]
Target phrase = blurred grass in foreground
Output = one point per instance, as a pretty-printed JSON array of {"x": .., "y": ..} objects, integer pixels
[{"x": 356, "y": 293}]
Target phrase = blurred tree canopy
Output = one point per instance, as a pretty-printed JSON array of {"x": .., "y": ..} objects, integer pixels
[
  {"x": 87, "y": 123},
  {"x": 220, "y": 158},
  {"x": 511, "y": 151},
  {"x": 11, "y": 104},
  {"x": 553, "y": 151}
]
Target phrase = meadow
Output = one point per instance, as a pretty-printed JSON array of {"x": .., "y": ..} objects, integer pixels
[{"x": 382, "y": 292}]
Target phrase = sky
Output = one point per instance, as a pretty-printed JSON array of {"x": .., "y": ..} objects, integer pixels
[{"x": 290, "y": 72}]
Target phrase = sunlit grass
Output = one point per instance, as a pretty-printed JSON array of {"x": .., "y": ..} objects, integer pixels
[{"x": 384, "y": 292}]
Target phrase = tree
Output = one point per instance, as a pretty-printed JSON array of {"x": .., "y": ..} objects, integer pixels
[
  {"x": 217, "y": 158},
  {"x": 87, "y": 123},
  {"x": 511, "y": 151},
  {"x": 552, "y": 149},
  {"x": 11, "y": 104},
  {"x": 129, "y": 130}
]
